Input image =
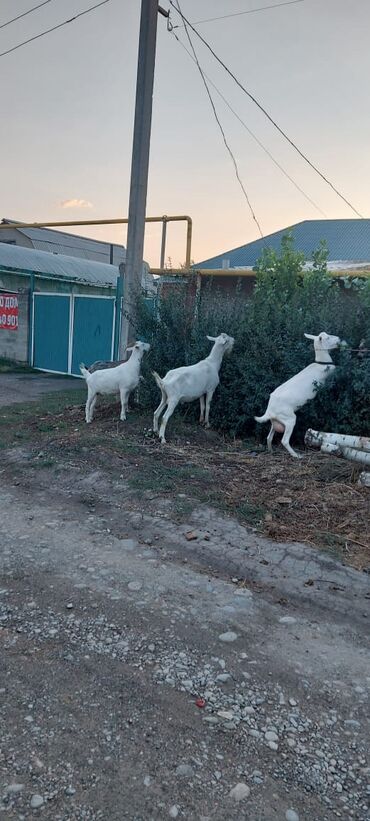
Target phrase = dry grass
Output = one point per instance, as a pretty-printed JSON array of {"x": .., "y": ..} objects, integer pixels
[{"x": 314, "y": 500}]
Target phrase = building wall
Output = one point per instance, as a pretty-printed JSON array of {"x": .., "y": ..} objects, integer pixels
[
  {"x": 14, "y": 343},
  {"x": 13, "y": 281},
  {"x": 61, "y": 243},
  {"x": 210, "y": 285},
  {"x": 14, "y": 237},
  {"x": 229, "y": 284}
]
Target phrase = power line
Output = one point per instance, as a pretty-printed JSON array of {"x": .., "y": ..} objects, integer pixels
[
  {"x": 252, "y": 134},
  {"x": 2, "y": 26},
  {"x": 54, "y": 28},
  {"x": 221, "y": 128},
  {"x": 269, "y": 117},
  {"x": 249, "y": 11}
]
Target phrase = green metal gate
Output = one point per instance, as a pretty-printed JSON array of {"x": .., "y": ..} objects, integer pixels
[
  {"x": 93, "y": 330},
  {"x": 69, "y": 329},
  {"x": 51, "y": 332}
]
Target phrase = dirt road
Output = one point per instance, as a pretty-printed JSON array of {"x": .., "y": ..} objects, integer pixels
[
  {"x": 116, "y": 619},
  {"x": 20, "y": 387}
]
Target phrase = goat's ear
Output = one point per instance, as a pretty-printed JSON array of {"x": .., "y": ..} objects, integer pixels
[
  {"x": 211, "y": 338},
  {"x": 310, "y": 336},
  {"x": 131, "y": 348}
]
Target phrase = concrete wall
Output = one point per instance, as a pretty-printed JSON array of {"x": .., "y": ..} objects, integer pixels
[{"x": 14, "y": 344}]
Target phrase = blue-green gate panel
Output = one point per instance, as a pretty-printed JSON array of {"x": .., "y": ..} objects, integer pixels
[
  {"x": 51, "y": 332},
  {"x": 92, "y": 330}
]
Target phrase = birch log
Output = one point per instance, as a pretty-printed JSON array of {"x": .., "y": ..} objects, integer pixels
[
  {"x": 354, "y": 448},
  {"x": 316, "y": 438}
]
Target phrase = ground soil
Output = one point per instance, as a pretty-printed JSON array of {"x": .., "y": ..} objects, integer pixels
[
  {"x": 123, "y": 564},
  {"x": 316, "y": 500}
]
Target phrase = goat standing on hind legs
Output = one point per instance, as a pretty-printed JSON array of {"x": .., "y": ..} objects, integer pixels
[
  {"x": 298, "y": 390},
  {"x": 191, "y": 382}
]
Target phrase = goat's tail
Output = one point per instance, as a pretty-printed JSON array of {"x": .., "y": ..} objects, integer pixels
[
  {"x": 264, "y": 418},
  {"x": 158, "y": 380},
  {"x": 84, "y": 371}
]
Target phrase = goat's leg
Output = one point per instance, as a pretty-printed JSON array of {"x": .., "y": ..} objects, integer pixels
[
  {"x": 202, "y": 406},
  {"x": 90, "y": 405},
  {"x": 270, "y": 438},
  {"x": 209, "y": 396},
  {"x": 158, "y": 412},
  {"x": 289, "y": 427},
  {"x": 127, "y": 410},
  {"x": 170, "y": 409},
  {"x": 124, "y": 400}
]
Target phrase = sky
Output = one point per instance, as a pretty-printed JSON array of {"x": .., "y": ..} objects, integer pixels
[{"x": 67, "y": 103}]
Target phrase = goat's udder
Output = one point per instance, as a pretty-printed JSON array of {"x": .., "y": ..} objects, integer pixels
[{"x": 278, "y": 426}]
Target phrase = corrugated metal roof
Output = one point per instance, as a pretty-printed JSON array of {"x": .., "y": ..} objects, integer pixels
[
  {"x": 347, "y": 239},
  {"x": 57, "y": 265},
  {"x": 61, "y": 242}
]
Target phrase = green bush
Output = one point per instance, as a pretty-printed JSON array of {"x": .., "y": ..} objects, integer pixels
[{"x": 269, "y": 346}]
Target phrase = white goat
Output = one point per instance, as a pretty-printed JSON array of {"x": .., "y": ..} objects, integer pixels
[
  {"x": 122, "y": 379},
  {"x": 298, "y": 390},
  {"x": 192, "y": 382}
]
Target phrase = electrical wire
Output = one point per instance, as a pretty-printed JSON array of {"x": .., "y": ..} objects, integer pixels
[
  {"x": 252, "y": 134},
  {"x": 54, "y": 28},
  {"x": 269, "y": 117},
  {"x": 221, "y": 128},
  {"x": 249, "y": 11},
  {"x": 34, "y": 8},
  {"x": 24, "y": 14}
]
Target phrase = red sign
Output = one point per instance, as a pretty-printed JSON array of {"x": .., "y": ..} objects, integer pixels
[{"x": 9, "y": 312}]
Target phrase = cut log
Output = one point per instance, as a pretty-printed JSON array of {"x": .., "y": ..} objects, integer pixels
[
  {"x": 317, "y": 438},
  {"x": 364, "y": 479}
]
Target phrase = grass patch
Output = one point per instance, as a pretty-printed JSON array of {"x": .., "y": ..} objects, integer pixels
[
  {"x": 43, "y": 463},
  {"x": 331, "y": 542},
  {"x": 24, "y": 422},
  {"x": 7, "y": 366},
  {"x": 182, "y": 508},
  {"x": 250, "y": 512},
  {"x": 163, "y": 479}
]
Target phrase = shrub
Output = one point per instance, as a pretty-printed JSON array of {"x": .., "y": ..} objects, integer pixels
[{"x": 268, "y": 327}]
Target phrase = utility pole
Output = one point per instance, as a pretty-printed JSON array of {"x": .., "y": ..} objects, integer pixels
[{"x": 139, "y": 169}]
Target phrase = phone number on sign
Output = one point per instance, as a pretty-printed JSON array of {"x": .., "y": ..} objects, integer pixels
[{"x": 8, "y": 312}]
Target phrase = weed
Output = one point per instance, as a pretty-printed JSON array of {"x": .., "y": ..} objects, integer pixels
[
  {"x": 250, "y": 512},
  {"x": 7, "y": 366},
  {"x": 182, "y": 508},
  {"x": 43, "y": 463},
  {"x": 333, "y": 543}
]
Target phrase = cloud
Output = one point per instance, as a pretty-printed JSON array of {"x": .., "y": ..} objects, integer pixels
[{"x": 76, "y": 203}]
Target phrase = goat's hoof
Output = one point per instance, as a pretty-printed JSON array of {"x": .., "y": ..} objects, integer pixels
[{"x": 207, "y": 426}]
